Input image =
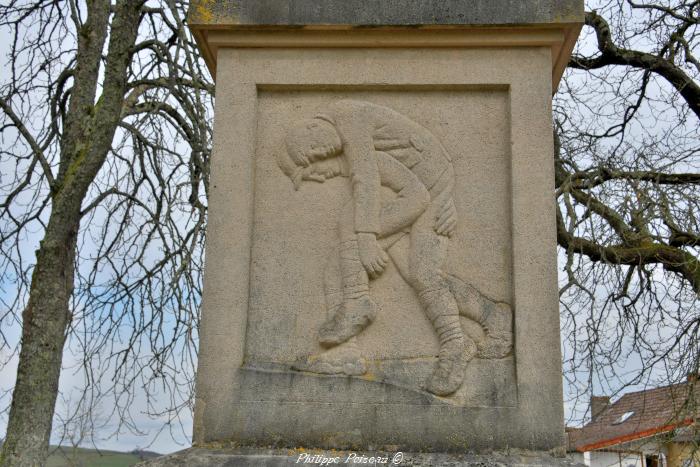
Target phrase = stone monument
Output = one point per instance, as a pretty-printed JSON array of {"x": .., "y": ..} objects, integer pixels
[{"x": 381, "y": 250}]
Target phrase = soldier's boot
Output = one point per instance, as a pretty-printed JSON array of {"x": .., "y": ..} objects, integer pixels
[
  {"x": 358, "y": 310},
  {"x": 456, "y": 350},
  {"x": 349, "y": 320},
  {"x": 497, "y": 321}
]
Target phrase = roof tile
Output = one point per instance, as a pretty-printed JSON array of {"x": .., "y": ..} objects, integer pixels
[{"x": 655, "y": 411}]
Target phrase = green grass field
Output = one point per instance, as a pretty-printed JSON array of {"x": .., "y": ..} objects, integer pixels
[{"x": 69, "y": 457}]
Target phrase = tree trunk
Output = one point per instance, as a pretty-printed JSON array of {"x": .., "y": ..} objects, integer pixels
[
  {"x": 87, "y": 138},
  {"x": 45, "y": 320}
]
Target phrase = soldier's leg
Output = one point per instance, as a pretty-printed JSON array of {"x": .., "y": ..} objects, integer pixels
[
  {"x": 426, "y": 258},
  {"x": 332, "y": 283},
  {"x": 345, "y": 358},
  {"x": 357, "y": 310}
]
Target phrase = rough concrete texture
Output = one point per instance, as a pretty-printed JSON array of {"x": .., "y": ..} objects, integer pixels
[
  {"x": 266, "y": 295},
  {"x": 384, "y": 12},
  {"x": 237, "y": 457}
]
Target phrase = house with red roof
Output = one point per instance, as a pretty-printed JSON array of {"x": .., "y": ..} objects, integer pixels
[{"x": 657, "y": 427}]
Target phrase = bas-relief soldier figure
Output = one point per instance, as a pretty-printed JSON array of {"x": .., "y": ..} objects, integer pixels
[{"x": 376, "y": 146}]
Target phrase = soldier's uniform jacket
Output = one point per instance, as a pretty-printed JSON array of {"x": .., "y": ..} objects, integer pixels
[{"x": 366, "y": 129}]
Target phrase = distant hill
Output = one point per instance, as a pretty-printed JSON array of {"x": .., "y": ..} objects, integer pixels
[{"x": 63, "y": 456}]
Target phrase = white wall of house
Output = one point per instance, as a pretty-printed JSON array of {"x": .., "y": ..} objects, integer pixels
[
  {"x": 577, "y": 457},
  {"x": 630, "y": 455},
  {"x": 614, "y": 459}
]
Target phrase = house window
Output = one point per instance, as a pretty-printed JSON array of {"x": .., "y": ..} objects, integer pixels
[
  {"x": 623, "y": 418},
  {"x": 651, "y": 461}
]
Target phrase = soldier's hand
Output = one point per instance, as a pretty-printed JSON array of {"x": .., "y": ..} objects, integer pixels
[
  {"x": 446, "y": 221},
  {"x": 372, "y": 257}
]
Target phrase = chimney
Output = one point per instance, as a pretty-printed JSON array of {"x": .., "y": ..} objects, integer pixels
[{"x": 598, "y": 405}]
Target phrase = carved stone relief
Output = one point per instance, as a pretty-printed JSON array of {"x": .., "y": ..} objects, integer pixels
[{"x": 379, "y": 149}]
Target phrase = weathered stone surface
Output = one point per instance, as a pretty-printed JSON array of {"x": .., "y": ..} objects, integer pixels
[
  {"x": 238, "y": 457},
  {"x": 387, "y": 23},
  {"x": 384, "y": 12},
  {"x": 381, "y": 250},
  {"x": 485, "y": 115}
]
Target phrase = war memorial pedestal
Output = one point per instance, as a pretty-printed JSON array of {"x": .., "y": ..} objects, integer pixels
[{"x": 381, "y": 251}]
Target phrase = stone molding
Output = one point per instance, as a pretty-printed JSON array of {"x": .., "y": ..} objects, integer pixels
[{"x": 375, "y": 24}]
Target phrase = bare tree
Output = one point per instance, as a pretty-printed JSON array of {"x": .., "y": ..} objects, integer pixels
[
  {"x": 104, "y": 144},
  {"x": 628, "y": 190},
  {"x": 105, "y": 140}
]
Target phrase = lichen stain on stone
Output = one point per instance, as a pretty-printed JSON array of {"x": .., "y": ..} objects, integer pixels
[
  {"x": 203, "y": 11},
  {"x": 369, "y": 376},
  {"x": 214, "y": 12}
]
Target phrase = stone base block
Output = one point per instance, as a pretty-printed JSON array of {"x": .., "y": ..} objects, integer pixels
[{"x": 258, "y": 457}]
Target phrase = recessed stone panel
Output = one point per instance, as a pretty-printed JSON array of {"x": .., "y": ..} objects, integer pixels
[{"x": 295, "y": 235}]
